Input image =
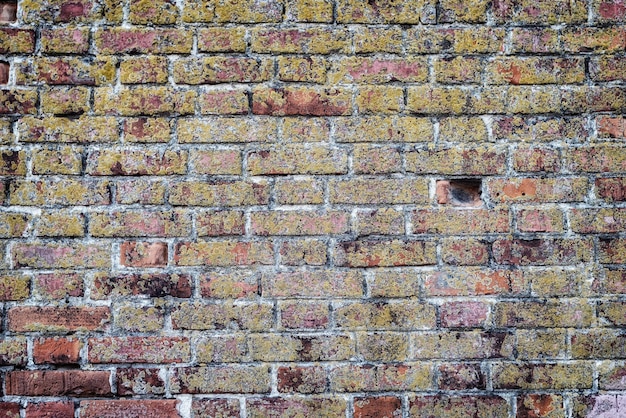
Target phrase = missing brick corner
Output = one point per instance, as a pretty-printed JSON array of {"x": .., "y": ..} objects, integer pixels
[{"x": 459, "y": 192}]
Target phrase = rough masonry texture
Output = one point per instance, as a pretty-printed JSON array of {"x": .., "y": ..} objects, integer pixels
[{"x": 312, "y": 208}]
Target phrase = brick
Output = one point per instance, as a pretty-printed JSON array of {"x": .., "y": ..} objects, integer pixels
[
  {"x": 10, "y": 409},
  {"x": 536, "y": 70},
  {"x": 66, "y": 130},
  {"x": 611, "y": 375},
  {"x": 298, "y": 159},
  {"x": 541, "y": 252},
  {"x": 373, "y": 39},
  {"x": 228, "y": 348},
  {"x": 594, "y": 39},
  {"x": 16, "y": 40},
  {"x": 132, "y": 318},
  {"x": 465, "y": 251},
  {"x": 56, "y": 350},
  {"x": 541, "y": 344},
  {"x": 442, "y": 405},
  {"x": 314, "y": 406},
  {"x": 394, "y": 283},
  {"x": 540, "y": 220},
  {"x": 599, "y": 343},
  {"x": 383, "y": 129},
  {"x": 64, "y": 100},
  {"x": 462, "y": 345},
  {"x": 219, "y": 193},
  {"x": 608, "y": 11},
  {"x": 427, "y": 100},
  {"x": 17, "y": 101},
  {"x": 62, "y": 160},
  {"x": 154, "y": 285},
  {"x": 612, "y": 250},
  {"x": 368, "y": 159},
  {"x": 380, "y": 221},
  {"x": 250, "y": 316},
  {"x": 535, "y": 40},
  {"x": 160, "y": 12},
  {"x": 299, "y": 223},
  {"x": 143, "y": 254},
  {"x": 610, "y": 282},
  {"x": 200, "y": 11},
  {"x": 457, "y": 70},
  {"x": 379, "y": 99},
  {"x": 13, "y": 224},
  {"x": 613, "y": 312},
  {"x": 314, "y": 40},
  {"x": 144, "y": 381},
  {"x": 456, "y": 221},
  {"x": 474, "y": 40},
  {"x": 542, "y": 376},
  {"x": 590, "y": 405},
  {"x": 463, "y": 129},
  {"x": 13, "y": 352},
  {"x": 375, "y": 253},
  {"x": 221, "y": 39},
  {"x": 550, "y": 314},
  {"x": 229, "y": 285},
  {"x": 304, "y": 315},
  {"x": 369, "y": 70},
  {"x": 295, "y": 129},
  {"x": 215, "y": 70},
  {"x": 223, "y": 253},
  {"x": 60, "y": 11},
  {"x": 140, "y": 223},
  {"x": 597, "y": 220},
  {"x": 70, "y": 70},
  {"x": 141, "y": 191},
  {"x": 143, "y": 41},
  {"x": 385, "y": 315},
  {"x": 306, "y": 69},
  {"x": 382, "y": 346},
  {"x": 79, "y": 383},
  {"x": 137, "y": 70},
  {"x": 129, "y": 407},
  {"x": 611, "y": 127},
  {"x": 143, "y": 100},
  {"x": 227, "y": 130},
  {"x": 292, "y": 191},
  {"x": 248, "y": 11},
  {"x": 52, "y": 255},
  {"x": 295, "y": 347},
  {"x": 381, "y": 377},
  {"x": 301, "y": 379},
  {"x": 305, "y": 101},
  {"x": 461, "y": 161},
  {"x": 134, "y": 162},
  {"x": 543, "y": 12},
  {"x": 557, "y": 281},
  {"x": 208, "y": 408},
  {"x": 460, "y": 376},
  {"x": 226, "y": 101},
  {"x": 463, "y": 314},
  {"x": 382, "y": 406},
  {"x": 411, "y": 12},
  {"x": 536, "y": 160},
  {"x": 220, "y": 223},
  {"x": 58, "y": 285},
  {"x": 70, "y": 40},
  {"x": 58, "y": 319},
  {"x": 608, "y": 69},
  {"x": 572, "y": 189},
  {"x": 146, "y": 130},
  {"x": 312, "y": 284},
  {"x": 473, "y": 281},
  {"x": 311, "y": 252},
  {"x": 373, "y": 190},
  {"x": 221, "y": 379},
  {"x": 50, "y": 409},
  {"x": 139, "y": 350}
]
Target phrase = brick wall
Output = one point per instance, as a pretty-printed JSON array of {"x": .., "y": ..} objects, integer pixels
[{"x": 312, "y": 208}]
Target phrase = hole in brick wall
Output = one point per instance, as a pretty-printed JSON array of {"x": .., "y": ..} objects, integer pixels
[
  {"x": 459, "y": 192},
  {"x": 4, "y": 72},
  {"x": 8, "y": 11}
]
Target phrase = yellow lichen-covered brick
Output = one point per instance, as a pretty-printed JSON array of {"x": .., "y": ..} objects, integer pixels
[
  {"x": 276, "y": 347},
  {"x": 403, "y": 12},
  {"x": 151, "y": 69},
  {"x": 6, "y": 131},
  {"x": 140, "y": 223},
  {"x": 142, "y": 191},
  {"x": 65, "y": 100},
  {"x": 296, "y": 129},
  {"x": 12, "y": 162},
  {"x": 143, "y": 101},
  {"x": 227, "y": 161},
  {"x": 372, "y": 39},
  {"x": 380, "y": 99},
  {"x": 311, "y": 69},
  {"x": 559, "y": 281},
  {"x": 535, "y": 70},
  {"x": 535, "y": 40},
  {"x": 126, "y": 162},
  {"x": 310, "y": 11},
  {"x": 158, "y": 12},
  {"x": 219, "y": 193},
  {"x": 113, "y": 10},
  {"x": 523, "y": 99},
  {"x": 319, "y": 283},
  {"x": 311, "y": 252},
  {"x": 554, "y": 313},
  {"x": 299, "y": 223},
  {"x": 474, "y": 40},
  {"x": 458, "y": 70},
  {"x": 463, "y": 129},
  {"x": 217, "y": 69},
  {"x": 458, "y": 160},
  {"x": 364, "y": 191},
  {"x": 68, "y": 40},
  {"x": 221, "y": 39},
  {"x": 381, "y": 221},
  {"x": 13, "y": 224},
  {"x": 248, "y": 11},
  {"x": 426, "y": 99},
  {"x": 383, "y": 129},
  {"x": 68, "y": 130},
  {"x": 63, "y": 223},
  {"x": 253, "y": 316},
  {"x": 474, "y": 11},
  {"x": 314, "y": 40},
  {"x": 298, "y": 159},
  {"x": 383, "y": 346},
  {"x": 576, "y": 375},
  {"x": 147, "y": 129},
  {"x": 220, "y": 222},
  {"x": 224, "y": 101},
  {"x": 56, "y": 11},
  {"x": 367, "y": 159},
  {"x": 198, "y": 11},
  {"x": 381, "y": 316},
  {"x": 231, "y": 348},
  {"x": 227, "y": 130},
  {"x": 462, "y": 345},
  {"x": 13, "y": 286},
  {"x": 230, "y": 284},
  {"x": 15, "y": 41},
  {"x": 382, "y": 377},
  {"x": 223, "y": 253},
  {"x": 138, "y": 318},
  {"x": 62, "y": 160},
  {"x": 67, "y": 70},
  {"x": 372, "y": 70},
  {"x": 393, "y": 283},
  {"x": 541, "y": 344},
  {"x": 63, "y": 191},
  {"x": 299, "y": 191}
]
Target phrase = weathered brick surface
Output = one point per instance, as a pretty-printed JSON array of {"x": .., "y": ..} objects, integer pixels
[{"x": 334, "y": 208}]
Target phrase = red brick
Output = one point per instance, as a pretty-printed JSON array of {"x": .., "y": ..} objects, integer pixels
[
  {"x": 301, "y": 379},
  {"x": 59, "y": 319},
  {"x": 538, "y": 406},
  {"x": 301, "y": 101},
  {"x": 371, "y": 253},
  {"x": 464, "y": 314},
  {"x": 423, "y": 406},
  {"x": 215, "y": 407},
  {"x": 474, "y": 281},
  {"x": 152, "y": 285},
  {"x": 611, "y": 189},
  {"x": 377, "y": 407},
  {"x": 465, "y": 252},
  {"x": 611, "y": 126},
  {"x": 143, "y": 254},
  {"x": 136, "y": 408},
  {"x": 9, "y": 410},
  {"x": 60, "y": 409},
  {"x": 460, "y": 376},
  {"x": 143, "y": 41},
  {"x": 139, "y": 350},
  {"x": 446, "y": 221},
  {"x": 56, "y": 350},
  {"x": 308, "y": 407},
  {"x": 542, "y": 252},
  {"x": 53, "y": 255},
  {"x": 58, "y": 383},
  {"x": 142, "y": 381}
]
